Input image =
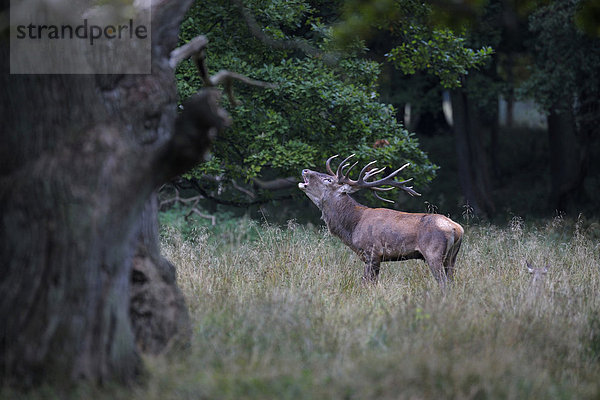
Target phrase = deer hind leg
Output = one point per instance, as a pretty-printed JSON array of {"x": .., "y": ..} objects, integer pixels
[
  {"x": 437, "y": 268},
  {"x": 451, "y": 260}
]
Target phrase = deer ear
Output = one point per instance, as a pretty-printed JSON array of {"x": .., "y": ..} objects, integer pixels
[{"x": 529, "y": 267}]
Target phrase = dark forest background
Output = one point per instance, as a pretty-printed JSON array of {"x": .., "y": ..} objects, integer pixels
[{"x": 517, "y": 79}]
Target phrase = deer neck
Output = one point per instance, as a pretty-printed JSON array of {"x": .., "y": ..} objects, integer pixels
[{"x": 342, "y": 214}]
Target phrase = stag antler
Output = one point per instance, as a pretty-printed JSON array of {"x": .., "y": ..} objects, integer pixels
[
  {"x": 339, "y": 173},
  {"x": 365, "y": 174},
  {"x": 328, "y": 165}
]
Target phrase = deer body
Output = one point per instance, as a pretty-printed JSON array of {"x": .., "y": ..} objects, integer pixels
[{"x": 381, "y": 234}]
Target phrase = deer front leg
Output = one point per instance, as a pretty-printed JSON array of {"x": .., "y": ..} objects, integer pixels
[{"x": 371, "y": 269}]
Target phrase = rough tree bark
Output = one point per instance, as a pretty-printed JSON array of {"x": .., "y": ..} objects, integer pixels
[
  {"x": 79, "y": 160},
  {"x": 157, "y": 310}
]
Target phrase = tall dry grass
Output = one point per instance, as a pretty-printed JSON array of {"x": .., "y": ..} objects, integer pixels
[{"x": 286, "y": 316}]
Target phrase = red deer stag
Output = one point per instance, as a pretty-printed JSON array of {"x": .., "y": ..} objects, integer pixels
[{"x": 382, "y": 234}]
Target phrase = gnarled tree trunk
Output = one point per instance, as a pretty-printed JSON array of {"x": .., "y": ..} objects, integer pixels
[
  {"x": 158, "y": 312},
  {"x": 80, "y": 156}
]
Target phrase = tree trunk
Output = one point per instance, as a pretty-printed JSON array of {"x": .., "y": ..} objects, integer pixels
[
  {"x": 471, "y": 155},
  {"x": 567, "y": 166},
  {"x": 68, "y": 218},
  {"x": 158, "y": 312},
  {"x": 80, "y": 157}
]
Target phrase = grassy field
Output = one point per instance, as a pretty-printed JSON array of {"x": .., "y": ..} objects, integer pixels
[
  {"x": 285, "y": 316},
  {"x": 280, "y": 313}
]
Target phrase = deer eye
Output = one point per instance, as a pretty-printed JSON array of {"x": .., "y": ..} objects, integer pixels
[{"x": 328, "y": 180}]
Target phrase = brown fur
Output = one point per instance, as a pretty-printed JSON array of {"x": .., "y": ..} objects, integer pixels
[{"x": 381, "y": 234}]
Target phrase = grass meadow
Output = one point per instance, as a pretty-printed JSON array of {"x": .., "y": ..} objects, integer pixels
[{"x": 281, "y": 313}]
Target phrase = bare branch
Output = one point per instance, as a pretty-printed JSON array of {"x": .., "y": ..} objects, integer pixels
[
  {"x": 222, "y": 77},
  {"x": 191, "y": 48},
  {"x": 178, "y": 199},
  {"x": 194, "y": 210},
  {"x": 243, "y": 190},
  {"x": 276, "y": 184},
  {"x": 227, "y": 78},
  {"x": 218, "y": 200},
  {"x": 199, "y": 60},
  {"x": 195, "y": 48}
]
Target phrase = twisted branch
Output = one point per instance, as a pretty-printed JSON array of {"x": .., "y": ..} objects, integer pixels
[
  {"x": 191, "y": 48},
  {"x": 196, "y": 49}
]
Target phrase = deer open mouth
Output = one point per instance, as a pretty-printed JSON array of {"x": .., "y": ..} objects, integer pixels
[{"x": 303, "y": 185}]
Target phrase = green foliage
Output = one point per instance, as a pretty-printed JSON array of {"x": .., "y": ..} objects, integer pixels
[
  {"x": 566, "y": 59},
  {"x": 438, "y": 51},
  {"x": 432, "y": 59},
  {"x": 317, "y": 110},
  {"x": 425, "y": 44},
  {"x": 588, "y": 17}
]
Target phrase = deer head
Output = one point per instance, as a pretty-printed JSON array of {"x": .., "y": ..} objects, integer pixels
[
  {"x": 319, "y": 186},
  {"x": 537, "y": 273}
]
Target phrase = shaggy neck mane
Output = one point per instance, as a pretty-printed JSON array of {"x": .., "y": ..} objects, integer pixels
[{"x": 341, "y": 214}]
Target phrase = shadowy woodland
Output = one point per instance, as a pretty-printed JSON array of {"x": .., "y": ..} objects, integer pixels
[
  {"x": 495, "y": 105},
  {"x": 507, "y": 107}
]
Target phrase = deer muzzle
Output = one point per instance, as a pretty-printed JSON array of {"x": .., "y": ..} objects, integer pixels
[{"x": 303, "y": 185}]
